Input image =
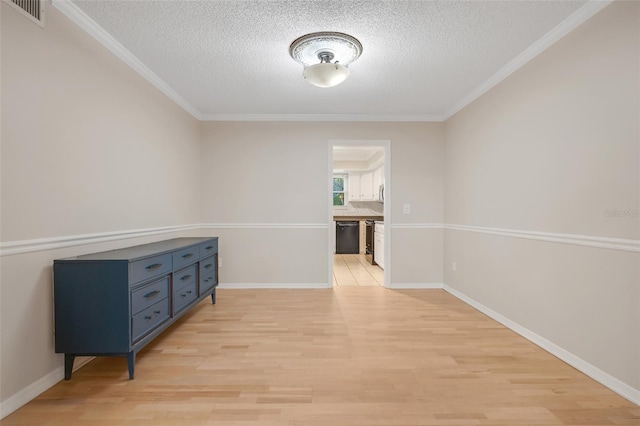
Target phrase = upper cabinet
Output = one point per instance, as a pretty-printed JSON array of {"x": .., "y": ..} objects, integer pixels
[
  {"x": 366, "y": 186},
  {"x": 365, "y": 167},
  {"x": 354, "y": 187}
]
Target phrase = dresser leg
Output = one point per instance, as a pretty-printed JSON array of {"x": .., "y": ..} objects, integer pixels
[
  {"x": 68, "y": 365},
  {"x": 131, "y": 362},
  {"x": 213, "y": 297}
]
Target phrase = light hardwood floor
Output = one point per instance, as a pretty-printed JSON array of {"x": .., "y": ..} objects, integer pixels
[
  {"x": 352, "y": 270},
  {"x": 344, "y": 356}
]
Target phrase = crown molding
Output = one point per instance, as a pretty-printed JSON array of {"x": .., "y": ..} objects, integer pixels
[
  {"x": 579, "y": 17},
  {"x": 324, "y": 117},
  {"x": 73, "y": 12},
  {"x": 68, "y": 8}
]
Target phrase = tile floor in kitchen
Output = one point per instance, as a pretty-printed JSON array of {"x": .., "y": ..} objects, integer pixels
[{"x": 354, "y": 271}]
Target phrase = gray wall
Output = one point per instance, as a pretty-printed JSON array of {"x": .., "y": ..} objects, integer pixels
[
  {"x": 88, "y": 146},
  {"x": 552, "y": 149},
  {"x": 277, "y": 173}
]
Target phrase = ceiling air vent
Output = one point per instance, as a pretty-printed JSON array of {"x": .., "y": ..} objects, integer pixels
[{"x": 32, "y": 9}]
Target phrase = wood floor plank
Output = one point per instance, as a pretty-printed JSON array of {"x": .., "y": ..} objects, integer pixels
[{"x": 357, "y": 356}]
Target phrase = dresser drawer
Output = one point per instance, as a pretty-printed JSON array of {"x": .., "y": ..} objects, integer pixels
[
  {"x": 147, "y": 295},
  {"x": 208, "y": 265},
  {"x": 184, "y": 296},
  {"x": 145, "y": 321},
  {"x": 151, "y": 267},
  {"x": 207, "y": 283},
  {"x": 184, "y": 277},
  {"x": 209, "y": 248},
  {"x": 186, "y": 257}
]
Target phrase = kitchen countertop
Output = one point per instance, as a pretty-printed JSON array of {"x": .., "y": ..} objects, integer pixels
[{"x": 336, "y": 217}]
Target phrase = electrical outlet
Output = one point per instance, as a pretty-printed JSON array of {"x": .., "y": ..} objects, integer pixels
[
  {"x": 406, "y": 208},
  {"x": 454, "y": 267}
]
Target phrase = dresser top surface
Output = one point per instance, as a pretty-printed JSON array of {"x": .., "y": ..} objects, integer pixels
[{"x": 141, "y": 251}]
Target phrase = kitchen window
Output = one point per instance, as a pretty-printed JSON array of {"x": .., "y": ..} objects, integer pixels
[{"x": 339, "y": 189}]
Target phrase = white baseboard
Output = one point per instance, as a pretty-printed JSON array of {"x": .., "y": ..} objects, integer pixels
[
  {"x": 396, "y": 286},
  {"x": 423, "y": 286},
  {"x": 272, "y": 285},
  {"x": 25, "y": 395},
  {"x": 590, "y": 370},
  {"x": 30, "y": 392},
  {"x": 36, "y": 388}
]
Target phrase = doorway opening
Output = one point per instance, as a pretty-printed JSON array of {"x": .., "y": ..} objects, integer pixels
[{"x": 359, "y": 213}]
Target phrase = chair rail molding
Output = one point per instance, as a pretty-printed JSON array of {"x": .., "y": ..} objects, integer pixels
[
  {"x": 575, "y": 239},
  {"x": 41, "y": 244}
]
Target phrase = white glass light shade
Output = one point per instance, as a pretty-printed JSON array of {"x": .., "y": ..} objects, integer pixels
[{"x": 326, "y": 74}]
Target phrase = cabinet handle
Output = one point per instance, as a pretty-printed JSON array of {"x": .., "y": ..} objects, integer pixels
[
  {"x": 207, "y": 266},
  {"x": 151, "y": 294},
  {"x": 154, "y": 266},
  {"x": 186, "y": 277},
  {"x": 186, "y": 256},
  {"x": 148, "y": 317},
  {"x": 156, "y": 312},
  {"x": 208, "y": 247},
  {"x": 183, "y": 295},
  {"x": 189, "y": 292}
]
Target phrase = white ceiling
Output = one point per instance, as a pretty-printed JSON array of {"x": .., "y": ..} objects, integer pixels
[
  {"x": 421, "y": 59},
  {"x": 355, "y": 153}
]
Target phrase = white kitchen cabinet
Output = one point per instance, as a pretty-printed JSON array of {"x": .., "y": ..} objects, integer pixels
[
  {"x": 366, "y": 187},
  {"x": 378, "y": 244},
  {"x": 354, "y": 187}
]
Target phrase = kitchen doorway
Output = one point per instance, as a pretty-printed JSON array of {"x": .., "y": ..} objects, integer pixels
[{"x": 359, "y": 213}]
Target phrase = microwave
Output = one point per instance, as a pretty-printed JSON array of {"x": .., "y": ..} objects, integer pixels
[{"x": 381, "y": 193}]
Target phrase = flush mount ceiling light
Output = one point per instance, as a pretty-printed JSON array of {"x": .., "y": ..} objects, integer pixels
[{"x": 325, "y": 56}]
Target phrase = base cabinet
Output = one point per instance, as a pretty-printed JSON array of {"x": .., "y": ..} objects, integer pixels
[
  {"x": 378, "y": 245},
  {"x": 115, "y": 302}
]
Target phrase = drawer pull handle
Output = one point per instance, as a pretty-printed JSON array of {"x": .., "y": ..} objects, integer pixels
[
  {"x": 148, "y": 317},
  {"x": 154, "y": 266},
  {"x": 208, "y": 247},
  {"x": 186, "y": 256},
  {"x": 208, "y": 265},
  {"x": 183, "y": 295},
  {"x": 152, "y": 294},
  {"x": 156, "y": 312},
  {"x": 189, "y": 292},
  {"x": 186, "y": 277}
]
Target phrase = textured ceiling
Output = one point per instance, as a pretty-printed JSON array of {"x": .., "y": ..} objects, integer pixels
[{"x": 419, "y": 57}]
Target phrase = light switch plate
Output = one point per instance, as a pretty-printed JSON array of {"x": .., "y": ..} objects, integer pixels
[{"x": 406, "y": 208}]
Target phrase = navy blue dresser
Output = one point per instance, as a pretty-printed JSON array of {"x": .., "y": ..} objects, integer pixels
[{"x": 115, "y": 302}]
